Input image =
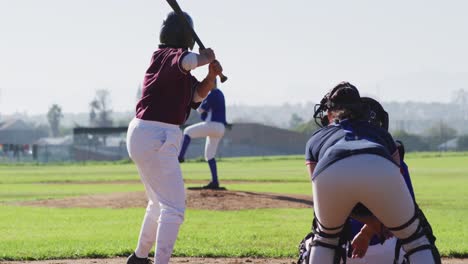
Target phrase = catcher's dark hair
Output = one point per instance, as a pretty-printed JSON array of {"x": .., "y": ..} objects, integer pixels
[
  {"x": 175, "y": 34},
  {"x": 344, "y": 100},
  {"x": 376, "y": 114}
]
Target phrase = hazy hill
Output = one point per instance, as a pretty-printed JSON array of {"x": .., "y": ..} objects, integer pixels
[{"x": 413, "y": 117}]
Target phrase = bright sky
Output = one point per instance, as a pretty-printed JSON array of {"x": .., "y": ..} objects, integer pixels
[{"x": 62, "y": 51}]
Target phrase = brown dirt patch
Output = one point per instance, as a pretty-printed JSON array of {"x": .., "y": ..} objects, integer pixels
[
  {"x": 196, "y": 199},
  {"x": 192, "y": 261},
  {"x": 139, "y": 181}
]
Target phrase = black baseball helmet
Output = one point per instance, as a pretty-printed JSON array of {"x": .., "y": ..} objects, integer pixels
[
  {"x": 376, "y": 114},
  {"x": 343, "y": 96},
  {"x": 175, "y": 34}
]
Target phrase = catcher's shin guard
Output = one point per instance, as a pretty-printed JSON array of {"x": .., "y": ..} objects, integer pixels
[
  {"x": 304, "y": 249},
  {"x": 323, "y": 241},
  {"x": 422, "y": 241}
]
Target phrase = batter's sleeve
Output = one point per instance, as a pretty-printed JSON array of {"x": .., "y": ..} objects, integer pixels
[{"x": 187, "y": 61}]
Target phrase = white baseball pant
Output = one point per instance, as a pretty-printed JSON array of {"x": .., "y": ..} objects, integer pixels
[
  {"x": 213, "y": 131},
  {"x": 154, "y": 147},
  {"x": 377, "y": 183}
]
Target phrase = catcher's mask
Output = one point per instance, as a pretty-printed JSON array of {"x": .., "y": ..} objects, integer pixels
[
  {"x": 376, "y": 114},
  {"x": 341, "y": 97}
]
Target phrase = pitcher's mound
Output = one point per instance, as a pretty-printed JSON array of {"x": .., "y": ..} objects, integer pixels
[
  {"x": 196, "y": 199},
  {"x": 237, "y": 200}
]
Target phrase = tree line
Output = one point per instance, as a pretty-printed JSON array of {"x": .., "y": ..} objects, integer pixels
[
  {"x": 100, "y": 113},
  {"x": 435, "y": 138},
  {"x": 431, "y": 138}
]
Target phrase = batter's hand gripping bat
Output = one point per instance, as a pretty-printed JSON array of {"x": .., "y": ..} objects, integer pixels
[{"x": 175, "y": 6}]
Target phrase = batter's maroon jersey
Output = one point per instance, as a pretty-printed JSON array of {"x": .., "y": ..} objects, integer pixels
[{"x": 168, "y": 89}]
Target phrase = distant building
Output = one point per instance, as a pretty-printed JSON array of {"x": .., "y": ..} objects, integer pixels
[
  {"x": 16, "y": 140},
  {"x": 99, "y": 143},
  {"x": 450, "y": 145},
  {"x": 108, "y": 143},
  {"x": 53, "y": 149},
  {"x": 252, "y": 139},
  {"x": 17, "y": 132}
]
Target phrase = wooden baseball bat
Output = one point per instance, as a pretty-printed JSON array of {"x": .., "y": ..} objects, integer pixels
[{"x": 175, "y": 6}]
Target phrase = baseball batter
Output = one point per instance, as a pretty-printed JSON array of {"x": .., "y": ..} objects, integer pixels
[
  {"x": 213, "y": 114},
  {"x": 154, "y": 136},
  {"x": 351, "y": 161}
]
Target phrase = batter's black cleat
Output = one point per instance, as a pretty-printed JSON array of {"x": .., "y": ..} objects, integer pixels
[
  {"x": 133, "y": 259},
  {"x": 181, "y": 160}
]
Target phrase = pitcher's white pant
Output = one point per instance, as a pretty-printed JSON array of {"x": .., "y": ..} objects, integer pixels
[
  {"x": 376, "y": 254},
  {"x": 213, "y": 131},
  {"x": 373, "y": 181},
  {"x": 154, "y": 146}
]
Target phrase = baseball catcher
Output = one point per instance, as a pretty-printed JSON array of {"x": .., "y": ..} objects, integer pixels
[
  {"x": 367, "y": 247},
  {"x": 352, "y": 162}
]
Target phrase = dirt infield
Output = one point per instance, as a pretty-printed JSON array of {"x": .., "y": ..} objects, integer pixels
[
  {"x": 191, "y": 261},
  {"x": 196, "y": 199}
]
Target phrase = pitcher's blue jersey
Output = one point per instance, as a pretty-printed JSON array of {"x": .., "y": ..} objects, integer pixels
[{"x": 214, "y": 107}]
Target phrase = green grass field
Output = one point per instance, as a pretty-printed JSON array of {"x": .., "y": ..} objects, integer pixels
[{"x": 440, "y": 182}]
